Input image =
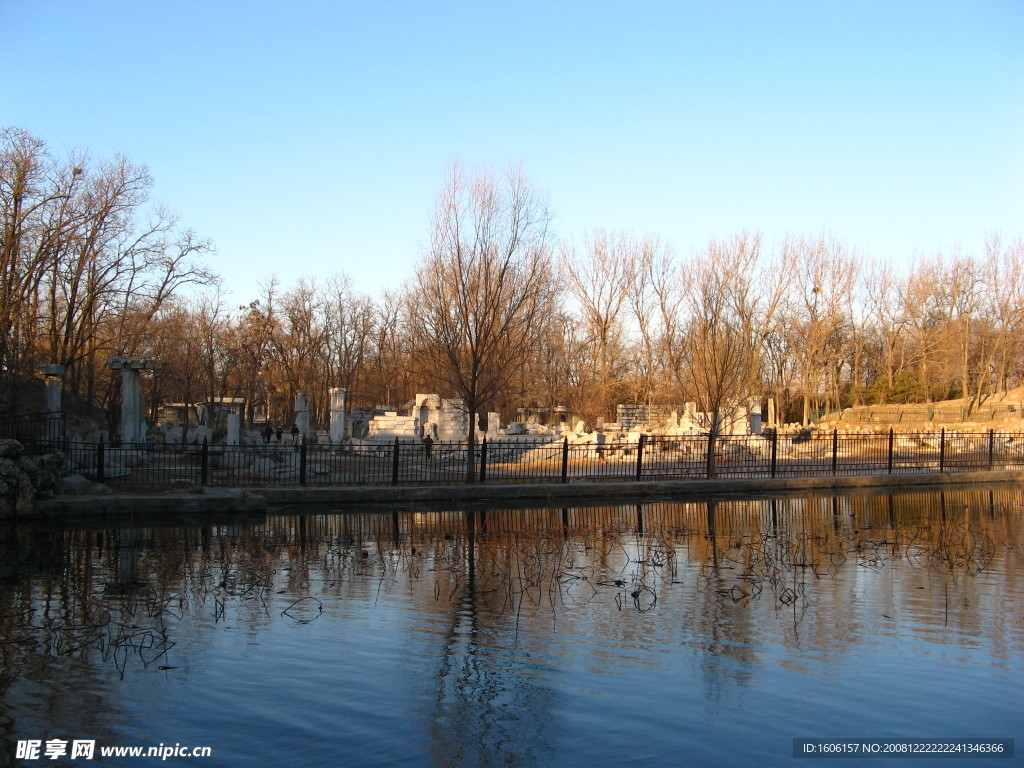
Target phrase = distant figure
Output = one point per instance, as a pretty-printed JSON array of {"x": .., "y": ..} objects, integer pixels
[
  {"x": 295, "y": 435},
  {"x": 428, "y": 445},
  {"x": 268, "y": 432},
  {"x": 278, "y": 433}
]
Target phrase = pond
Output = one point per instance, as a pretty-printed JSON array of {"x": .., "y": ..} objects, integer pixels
[{"x": 670, "y": 633}]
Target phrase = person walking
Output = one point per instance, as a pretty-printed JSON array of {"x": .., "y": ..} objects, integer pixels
[
  {"x": 278, "y": 434},
  {"x": 295, "y": 434},
  {"x": 428, "y": 445}
]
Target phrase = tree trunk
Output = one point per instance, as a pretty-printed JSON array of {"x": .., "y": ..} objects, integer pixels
[{"x": 712, "y": 439}]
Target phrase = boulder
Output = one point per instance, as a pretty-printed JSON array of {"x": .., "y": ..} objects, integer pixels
[
  {"x": 22, "y": 477},
  {"x": 44, "y": 471},
  {"x": 10, "y": 449},
  {"x": 74, "y": 485},
  {"x": 17, "y": 494}
]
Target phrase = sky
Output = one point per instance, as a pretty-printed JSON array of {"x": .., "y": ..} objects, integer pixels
[{"x": 312, "y": 138}]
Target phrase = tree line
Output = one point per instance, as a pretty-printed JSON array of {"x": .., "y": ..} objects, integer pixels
[{"x": 498, "y": 311}]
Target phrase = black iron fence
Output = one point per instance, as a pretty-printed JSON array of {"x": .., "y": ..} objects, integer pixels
[
  {"x": 515, "y": 460},
  {"x": 34, "y": 430}
]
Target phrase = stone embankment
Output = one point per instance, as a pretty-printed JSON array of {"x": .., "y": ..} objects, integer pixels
[
  {"x": 221, "y": 501},
  {"x": 23, "y": 477}
]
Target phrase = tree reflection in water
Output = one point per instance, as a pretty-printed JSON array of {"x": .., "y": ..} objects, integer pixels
[{"x": 88, "y": 602}]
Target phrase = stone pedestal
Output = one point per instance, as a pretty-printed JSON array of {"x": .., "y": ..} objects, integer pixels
[
  {"x": 234, "y": 429},
  {"x": 302, "y": 412},
  {"x": 338, "y": 395},
  {"x": 133, "y": 407}
]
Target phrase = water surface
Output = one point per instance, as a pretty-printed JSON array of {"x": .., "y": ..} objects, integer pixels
[{"x": 658, "y": 634}]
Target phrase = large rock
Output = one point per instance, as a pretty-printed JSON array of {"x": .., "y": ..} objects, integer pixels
[
  {"x": 45, "y": 471},
  {"x": 22, "y": 477},
  {"x": 194, "y": 436},
  {"x": 74, "y": 485},
  {"x": 10, "y": 449},
  {"x": 17, "y": 494}
]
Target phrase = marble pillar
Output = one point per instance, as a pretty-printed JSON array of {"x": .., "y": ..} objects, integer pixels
[
  {"x": 133, "y": 407},
  {"x": 338, "y": 395},
  {"x": 53, "y": 376},
  {"x": 302, "y": 412}
]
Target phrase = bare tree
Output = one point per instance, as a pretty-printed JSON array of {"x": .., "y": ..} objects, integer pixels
[
  {"x": 85, "y": 263},
  {"x": 644, "y": 304},
  {"x": 483, "y": 292},
  {"x": 887, "y": 319},
  {"x": 350, "y": 325},
  {"x": 601, "y": 276},
  {"x": 822, "y": 284},
  {"x": 729, "y": 302},
  {"x": 1006, "y": 274}
]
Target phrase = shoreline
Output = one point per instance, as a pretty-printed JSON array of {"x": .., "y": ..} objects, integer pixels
[{"x": 225, "y": 501}]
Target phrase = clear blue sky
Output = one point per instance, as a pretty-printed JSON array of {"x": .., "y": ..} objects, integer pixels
[{"x": 307, "y": 138}]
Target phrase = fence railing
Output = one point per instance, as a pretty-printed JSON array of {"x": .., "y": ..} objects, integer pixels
[
  {"x": 34, "y": 429},
  {"x": 161, "y": 467}
]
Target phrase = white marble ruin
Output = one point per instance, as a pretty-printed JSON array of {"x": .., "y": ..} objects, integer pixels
[
  {"x": 53, "y": 378},
  {"x": 442, "y": 419},
  {"x": 302, "y": 412},
  {"x": 337, "y": 430},
  {"x": 741, "y": 419},
  {"x": 133, "y": 407},
  {"x": 428, "y": 414}
]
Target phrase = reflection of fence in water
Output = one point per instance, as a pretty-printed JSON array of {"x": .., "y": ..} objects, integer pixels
[{"x": 126, "y": 590}]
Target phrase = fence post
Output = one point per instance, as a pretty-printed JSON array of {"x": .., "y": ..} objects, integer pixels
[
  {"x": 483, "y": 460},
  {"x": 565, "y": 459},
  {"x": 891, "y": 440},
  {"x": 991, "y": 447},
  {"x": 835, "y": 450},
  {"x": 204, "y": 462},
  {"x": 775, "y": 449},
  {"x": 302, "y": 461},
  {"x": 99, "y": 461},
  {"x": 942, "y": 450},
  {"x": 394, "y": 463},
  {"x": 640, "y": 456}
]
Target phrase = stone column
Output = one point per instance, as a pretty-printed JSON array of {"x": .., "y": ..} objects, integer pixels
[
  {"x": 302, "y": 412},
  {"x": 53, "y": 376},
  {"x": 755, "y": 423},
  {"x": 234, "y": 436},
  {"x": 133, "y": 407},
  {"x": 338, "y": 395}
]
